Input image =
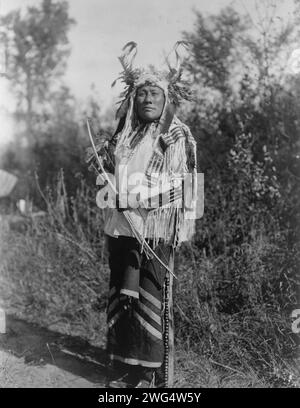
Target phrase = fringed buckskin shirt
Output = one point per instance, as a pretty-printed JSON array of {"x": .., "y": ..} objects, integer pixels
[{"x": 162, "y": 164}]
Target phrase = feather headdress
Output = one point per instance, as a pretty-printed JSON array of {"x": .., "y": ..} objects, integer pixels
[{"x": 170, "y": 80}]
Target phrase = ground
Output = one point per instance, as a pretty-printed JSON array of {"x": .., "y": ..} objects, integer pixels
[{"x": 31, "y": 356}]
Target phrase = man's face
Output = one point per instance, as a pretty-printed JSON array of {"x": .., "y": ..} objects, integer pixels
[{"x": 150, "y": 100}]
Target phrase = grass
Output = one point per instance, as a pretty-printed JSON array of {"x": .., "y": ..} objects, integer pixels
[
  {"x": 236, "y": 323},
  {"x": 50, "y": 280},
  {"x": 232, "y": 328}
]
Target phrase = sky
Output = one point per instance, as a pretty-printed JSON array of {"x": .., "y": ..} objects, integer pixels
[{"x": 103, "y": 27}]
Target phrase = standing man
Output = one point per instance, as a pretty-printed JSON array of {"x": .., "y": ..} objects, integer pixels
[{"x": 151, "y": 160}]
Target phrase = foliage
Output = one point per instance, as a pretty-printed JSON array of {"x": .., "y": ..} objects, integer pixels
[
  {"x": 49, "y": 130},
  {"x": 246, "y": 250},
  {"x": 53, "y": 270},
  {"x": 247, "y": 130},
  {"x": 37, "y": 47}
]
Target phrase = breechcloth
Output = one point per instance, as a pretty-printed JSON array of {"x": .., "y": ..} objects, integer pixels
[{"x": 135, "y": 304}]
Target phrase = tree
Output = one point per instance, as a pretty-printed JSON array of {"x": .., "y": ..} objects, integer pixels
[
  {"x": 246, "y": 119},
  {"x": 239, "y": 71},
  {"x": 38, "y": 48}
]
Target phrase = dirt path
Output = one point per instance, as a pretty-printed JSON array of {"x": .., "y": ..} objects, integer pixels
[{"x": 31, "y": 356}]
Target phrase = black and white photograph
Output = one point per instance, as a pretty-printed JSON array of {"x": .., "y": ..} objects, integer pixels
[{"x": 149, "y": 197}]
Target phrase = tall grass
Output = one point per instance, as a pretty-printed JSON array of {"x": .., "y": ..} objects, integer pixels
[{"x": 55, "y": 271}]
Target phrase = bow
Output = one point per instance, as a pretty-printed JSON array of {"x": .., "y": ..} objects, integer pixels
[{"x": 126, "y": 214}]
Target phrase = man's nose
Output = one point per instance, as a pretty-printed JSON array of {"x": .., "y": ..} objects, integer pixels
[{"x": 148, "y": 98}]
